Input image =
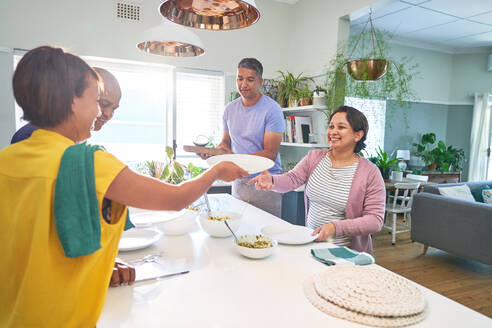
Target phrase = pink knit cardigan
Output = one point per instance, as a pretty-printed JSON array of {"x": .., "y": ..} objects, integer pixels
[{"x": 365, "y": 207}]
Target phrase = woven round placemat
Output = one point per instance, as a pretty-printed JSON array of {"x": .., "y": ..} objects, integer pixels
[
  {"x": 366, "y": 319},
  {"x": 369, "y": 290}
]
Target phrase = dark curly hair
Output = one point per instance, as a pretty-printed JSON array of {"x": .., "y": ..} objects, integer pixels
[{"x": 357, "y": 121}]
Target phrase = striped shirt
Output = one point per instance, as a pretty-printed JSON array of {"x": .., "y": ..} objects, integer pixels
[{"x": 328, "y": 189}]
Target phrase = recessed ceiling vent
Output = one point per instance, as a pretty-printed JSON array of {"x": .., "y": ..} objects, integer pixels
[{"x": 128, "y": 11}]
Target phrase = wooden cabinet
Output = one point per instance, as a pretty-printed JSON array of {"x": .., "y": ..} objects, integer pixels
[{"x": 443, "y": 177}]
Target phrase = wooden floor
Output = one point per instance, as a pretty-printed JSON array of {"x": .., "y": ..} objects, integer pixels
[{"x": 464, "y": 281}]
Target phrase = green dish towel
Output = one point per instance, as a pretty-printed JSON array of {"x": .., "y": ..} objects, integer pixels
[
  {"x": 75, "y": 206},
  {"x": 332, "y": 256}
]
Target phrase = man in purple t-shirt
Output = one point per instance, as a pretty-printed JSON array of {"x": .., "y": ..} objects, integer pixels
[{"x": 254, "y": 124}]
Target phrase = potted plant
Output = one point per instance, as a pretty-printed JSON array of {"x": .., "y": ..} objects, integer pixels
[
  {"x": 447, "y": 158},
  {"x": 424, "y": 150},
  {"x": 304, "y": 96},
  {"x": 366, "y": 60},
  {"x": 384, "y": 162},
  {"x": 172, "y": 171},
  {"x": 441, "y": 158},
  {"x": 319, "y": 95},
  {"x": 288, "y": 87}
]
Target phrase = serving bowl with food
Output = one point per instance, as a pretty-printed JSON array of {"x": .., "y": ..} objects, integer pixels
[
  {"x": 213, "y": 222},
  {"x": 255, "y": 246}
]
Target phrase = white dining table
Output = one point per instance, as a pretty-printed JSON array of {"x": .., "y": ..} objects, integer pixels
[{"x": 224, "y": 289}]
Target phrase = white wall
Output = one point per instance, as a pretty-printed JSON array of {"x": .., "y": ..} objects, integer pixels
[
  {"x": 469, "y": 75},
  {"x": 299, "y": 37},
  {"x": 314, "y": 38},
  {"x": 448, "y": 78},
  {"x": 7, "y": 102},
  {"x": 434, "y": 83},
  {"x": 91, "y": 28}
]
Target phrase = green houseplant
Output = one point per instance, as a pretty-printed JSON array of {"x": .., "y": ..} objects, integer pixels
[
  {"x": 304, "y": 96},
  {"x": 172, "y": 171},
  {"x": 396, "y": 84},
  {"x": 424, "y": 148},
  {"x": 441, "y": 157},
  {"x": 384, "y": 162},
  {"x": 288, "y": 88}
]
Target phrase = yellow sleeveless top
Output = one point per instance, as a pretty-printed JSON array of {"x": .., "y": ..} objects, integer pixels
[{"x": 41, "y": 286}]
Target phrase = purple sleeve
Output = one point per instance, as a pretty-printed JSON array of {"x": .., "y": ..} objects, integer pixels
[
  {"x": 275, "y": 120},
  {"x": 224, "y": 119}
]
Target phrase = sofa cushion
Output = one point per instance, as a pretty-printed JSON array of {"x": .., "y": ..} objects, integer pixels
[
  {"x": 487, "y": 196},
  {"x": 462, "y": 192},
  {"x": 477, "y": 193}
]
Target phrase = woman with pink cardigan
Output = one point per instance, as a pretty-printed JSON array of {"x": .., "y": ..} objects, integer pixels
[{"x": 345, "y": 193}]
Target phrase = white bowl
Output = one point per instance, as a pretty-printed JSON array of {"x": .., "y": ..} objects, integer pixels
[
  {"x": 217, "y": 228},
  {"x": 181, "y": 224},
  {"x": 255, "y": 253}
]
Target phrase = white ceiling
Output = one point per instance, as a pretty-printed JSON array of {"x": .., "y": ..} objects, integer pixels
[{"x": 453, "y": 26}]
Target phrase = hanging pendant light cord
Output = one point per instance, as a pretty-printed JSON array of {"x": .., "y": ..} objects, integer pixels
[{"x": 373, "y": 37}]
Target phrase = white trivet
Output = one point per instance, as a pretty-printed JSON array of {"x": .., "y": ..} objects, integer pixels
[
  {"x": 342, "y": 313},
  {"x": 369, "y": 290}
]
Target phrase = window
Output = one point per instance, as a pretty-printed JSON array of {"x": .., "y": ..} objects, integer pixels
[
  {"x": 375, "y": 111},
  {"x": 199, "y": 107},
  {"x": 19, "y": 122},
  {"x": 144, "y": 124},
  {"x": 139, "y": 128}
]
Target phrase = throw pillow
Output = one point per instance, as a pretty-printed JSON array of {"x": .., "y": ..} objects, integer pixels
[
  {"x": 462, "y": 192},
  {"x": 477, "y": 193},
  {"x": 487, "y": 196}
]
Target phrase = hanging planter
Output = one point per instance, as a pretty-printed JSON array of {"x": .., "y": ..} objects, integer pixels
[
  {"x": 364, "y": 68},
  {"x": 367, "y": 69}
]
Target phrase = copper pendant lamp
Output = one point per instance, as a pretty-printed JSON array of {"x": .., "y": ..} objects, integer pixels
[
  {"x": 216, "y": 15},
  {"x": 368, "y": 69},
  {"x": 172, "y": 40}
]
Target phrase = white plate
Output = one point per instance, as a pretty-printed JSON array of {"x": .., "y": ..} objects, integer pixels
[
  {"x": 141, "y": 217},
  {"x": 138, "y": 238},
  {"x": 289, "y": 233},
  {"x": 251, "y": 163}
]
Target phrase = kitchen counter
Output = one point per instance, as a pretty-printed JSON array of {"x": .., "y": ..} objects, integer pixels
[{"x": 224, "y": 289}]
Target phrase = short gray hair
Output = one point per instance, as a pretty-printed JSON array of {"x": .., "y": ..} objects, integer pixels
[{"x": 252, "y": 63}]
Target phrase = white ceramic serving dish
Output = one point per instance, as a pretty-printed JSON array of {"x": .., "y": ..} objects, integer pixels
[
  {"x": 251, "y": 163},
  {"x": 217, "y": 228},
  {"x": 255, "y": 253},
  {"x": 286, "y": 233},
  {"x": 134, "y": 239},
  {"x": 180, "y": 225}
]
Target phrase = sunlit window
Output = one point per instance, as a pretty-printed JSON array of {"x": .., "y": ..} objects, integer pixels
[
  {"x": 199, "y": 107},
  {"x": 138, "y": 130},
  {"x": 145, "y": 122}
]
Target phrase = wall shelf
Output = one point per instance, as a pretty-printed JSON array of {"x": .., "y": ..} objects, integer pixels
[{"x": 298, "y": 109}]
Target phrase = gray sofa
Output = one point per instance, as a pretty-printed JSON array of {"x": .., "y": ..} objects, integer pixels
[{"x": 456, "y": 226}]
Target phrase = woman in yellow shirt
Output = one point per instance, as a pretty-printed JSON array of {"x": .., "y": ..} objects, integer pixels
[{"x": 41, "y": 285}]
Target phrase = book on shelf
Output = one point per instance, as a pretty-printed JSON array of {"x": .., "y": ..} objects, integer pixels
[
  {"x": 303, "y": 127},
  {"x": 288, "y": 130},
  {"x": 297, "y": 128}
]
